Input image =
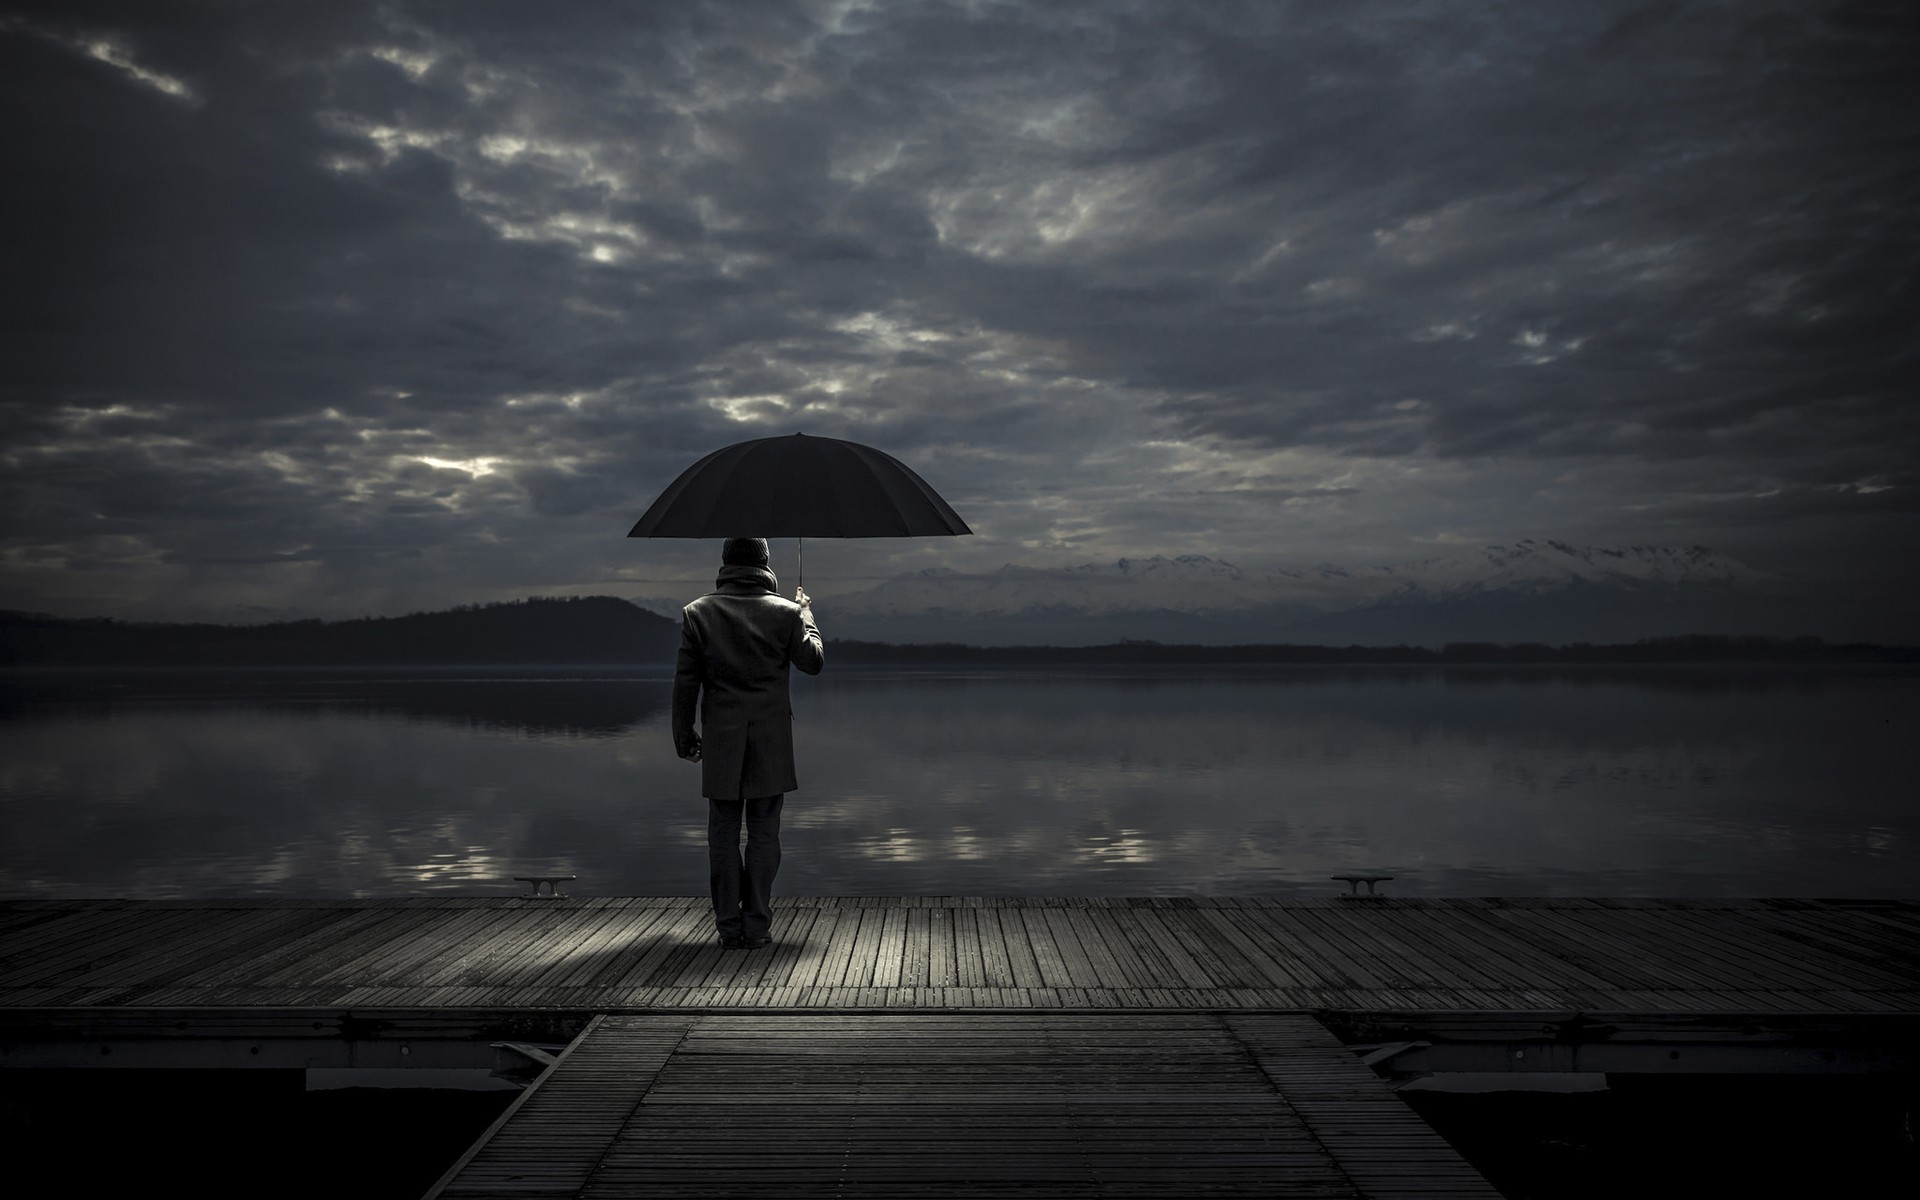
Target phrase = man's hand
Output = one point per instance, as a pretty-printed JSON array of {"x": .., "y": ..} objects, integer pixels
[
  {"x": 690, "y": 749},
  {"x": 805, "y": 602}
]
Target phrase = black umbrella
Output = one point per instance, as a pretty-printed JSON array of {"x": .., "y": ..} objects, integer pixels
[{"x": 798, "y": 487}]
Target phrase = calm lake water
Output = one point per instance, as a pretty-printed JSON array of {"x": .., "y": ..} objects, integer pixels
[{"x": 1119, "y": 781}]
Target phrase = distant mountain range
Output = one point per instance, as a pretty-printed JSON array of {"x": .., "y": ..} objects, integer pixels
[
  {"x": 541, "y": 630},
  {"x": 604, "y": 631},
  {"x": 1546, "y": 591}
]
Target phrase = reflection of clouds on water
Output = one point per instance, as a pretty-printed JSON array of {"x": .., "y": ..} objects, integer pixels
[
  {"x": 453, "y": 868},
  {"x": 899, "y": 844},
  {"x": 1211, "y": 785},
  {"x": 1125, "y": 846},
  {"x": 826, "y": 814},
  {"x": 990, "y": 784},
  {"x": 966, "y": 845},
  {"x": 892, "y": 845}
]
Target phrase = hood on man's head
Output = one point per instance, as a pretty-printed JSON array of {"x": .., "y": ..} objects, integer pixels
[{"x": 744, "y": 552}]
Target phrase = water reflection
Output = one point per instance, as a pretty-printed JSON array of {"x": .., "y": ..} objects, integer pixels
[
  {"x": 1137, "y": 782},
  {"x": 525, "y": 702}
]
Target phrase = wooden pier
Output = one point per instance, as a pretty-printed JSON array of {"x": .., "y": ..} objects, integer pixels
[
  {"x": 974, "y": 1045},
  {"x": 613, "y": 954},
  {"x": 961, "y": 1104}
]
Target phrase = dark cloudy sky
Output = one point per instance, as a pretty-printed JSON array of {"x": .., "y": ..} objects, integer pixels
[{"x": 360, "y": 308}]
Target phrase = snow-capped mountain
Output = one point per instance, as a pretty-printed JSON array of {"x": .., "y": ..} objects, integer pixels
[
  {"x": 1191, "y": 583},
  {"x": 1534, "y": 567},
  {"x": 1528, "y": 590}
]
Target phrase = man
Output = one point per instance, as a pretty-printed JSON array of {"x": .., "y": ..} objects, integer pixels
[{"x": 736, "y": 643}]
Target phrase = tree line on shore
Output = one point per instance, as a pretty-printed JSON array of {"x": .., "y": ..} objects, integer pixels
[{"x": 605, "y": 630}]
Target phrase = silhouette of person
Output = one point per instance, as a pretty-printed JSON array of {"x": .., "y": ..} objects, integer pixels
[{"x": 736, "y": 643}]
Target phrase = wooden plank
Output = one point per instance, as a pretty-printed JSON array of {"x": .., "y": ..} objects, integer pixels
[
  {"x": 1074, "y": 957},
  {"x": 795, "y": 925},
  {"x": 1013, "y": 940},
  {"x": 1143, "y": 961},
  {"x": 285, "y": 963},
  {"x": 863, "y": 962},
  {"x": 600, "y": 960},
  {"x": 941, "y": 969},
  {"x": 115, "y": 936},
  {"x": 839, "y": 951},
  {"x": 1324, "y": 940},
  {"x": 805, "y": 968},
  {"x": 668, "y": 943},
  {"x": 296, "y": 962},
  {"x": 1474, "y": 948},
  {"x": 19, "y": 922},
  {"x": 1181, "y": 969},
  {"x": 148, "y": 947},
  {"x": 1039, "y": 940},
  {"x": 581, "y": 927},
  {"x": 1253, "y": 940},
  {"x": 1879, "y": 931},
  {"x": 1720, "y": 954},
  {"x": 1834, "y": 954},
  {"x": 492, "y": 943},
  {"x": 1532, "y": 946},
  {"x": 1677, "y": 957},
  {"x": 61, "y": 927},
  {"x": 969, "y": 965},
  {"x": 995, "y": 964},
  {"x": 890, "y": 958},
  {"x": 1599, "y": 957},
  {"x": 415, "y": 938},
  {"x": 916, "y": 967},
  {"x": 168, "y": 964},
  {"x": 1224, "y": 966},
  {"x": 556, "y": 926},
  {"x": 1085, "y": 927},
  {"x": 1420, "y": 960},
  {"x": 650, "y": 930}
]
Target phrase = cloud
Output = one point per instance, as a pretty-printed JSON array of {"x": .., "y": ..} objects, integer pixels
[{"x": 359, "y": 305}]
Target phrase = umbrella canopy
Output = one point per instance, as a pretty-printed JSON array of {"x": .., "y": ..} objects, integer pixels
[{"x": 798, "y": 486}]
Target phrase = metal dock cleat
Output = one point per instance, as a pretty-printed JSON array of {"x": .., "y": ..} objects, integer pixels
[
  {"x": 1353, "y": 883},
  {"x": 552, "y": 882}
]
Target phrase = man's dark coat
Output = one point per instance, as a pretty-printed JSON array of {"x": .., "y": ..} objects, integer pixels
[{"x": 736, "y": 643}]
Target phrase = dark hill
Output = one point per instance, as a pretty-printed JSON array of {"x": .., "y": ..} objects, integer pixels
[
  {"x": 606, "y": 631},
  {"x": 586, "y": 629}
]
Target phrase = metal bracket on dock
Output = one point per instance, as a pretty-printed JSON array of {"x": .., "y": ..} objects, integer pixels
[
  {"x": 1377, "y": 1056},
  {"x": 553, "y": 883},
  {"x": 1353, "y": 883},
  {"x": 520, "y": 1063},
  {"x": 540, "y": 1056}
]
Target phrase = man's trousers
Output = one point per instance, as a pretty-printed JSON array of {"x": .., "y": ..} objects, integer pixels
[{"x": 742, "y": 885}]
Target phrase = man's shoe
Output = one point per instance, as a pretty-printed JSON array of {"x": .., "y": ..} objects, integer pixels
[
  {"x": 733, "y": 943},
  {"x": 754, "y": 943}
]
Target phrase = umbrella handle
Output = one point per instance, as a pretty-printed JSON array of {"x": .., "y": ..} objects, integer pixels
[{"x": 800, "y": 545}]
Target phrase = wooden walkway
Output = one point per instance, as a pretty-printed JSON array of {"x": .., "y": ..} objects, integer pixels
[
  {"x": 968, "y": 1104},
  {"x": 606, "y": 955},
  {"x": 967, "y": 1046}
]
